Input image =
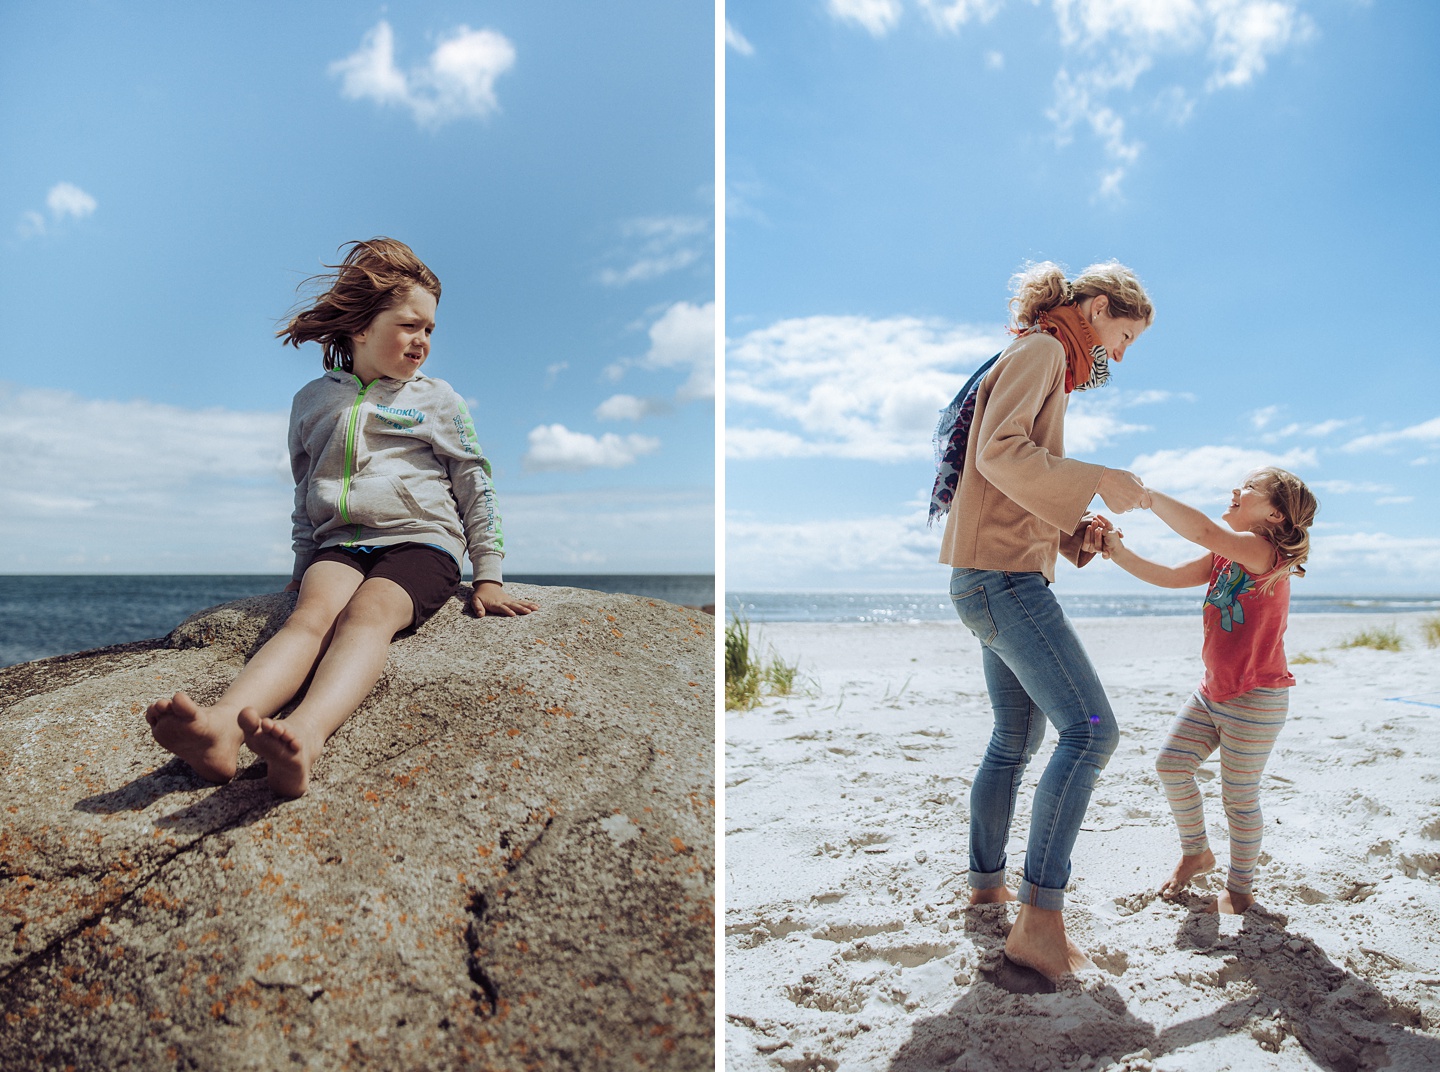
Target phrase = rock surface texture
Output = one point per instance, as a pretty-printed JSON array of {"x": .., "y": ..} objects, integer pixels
[{"x": 505, "y": 860}]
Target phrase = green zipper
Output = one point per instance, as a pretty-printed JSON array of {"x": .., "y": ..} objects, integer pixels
[{"x": 351, "y": 429}]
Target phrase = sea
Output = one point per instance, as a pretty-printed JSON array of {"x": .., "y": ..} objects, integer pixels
[
  {"x": 936, "y": 607},
  {"x": 42, "y": 616}
]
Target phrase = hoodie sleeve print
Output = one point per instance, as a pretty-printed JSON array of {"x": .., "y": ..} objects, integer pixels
[
  {"x": 459, "y": 449},
  {"x": 302, "y": 529},
  {"x": 1054, "y": 488}
]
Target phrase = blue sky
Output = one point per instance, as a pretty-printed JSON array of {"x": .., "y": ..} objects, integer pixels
[
  {"x": 173, "y": 171},
  {"x": 1266, "y": 166}
]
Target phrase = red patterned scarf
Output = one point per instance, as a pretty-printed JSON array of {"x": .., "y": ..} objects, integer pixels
[{"x": 1086, "y": 362}]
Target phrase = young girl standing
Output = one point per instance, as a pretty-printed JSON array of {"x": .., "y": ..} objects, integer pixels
[
  {"x": 1242, "y": 701},
  {"x": 390, "y": 490}
]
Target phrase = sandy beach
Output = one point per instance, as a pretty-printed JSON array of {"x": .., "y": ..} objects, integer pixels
[{"x": 848, "y": 945}]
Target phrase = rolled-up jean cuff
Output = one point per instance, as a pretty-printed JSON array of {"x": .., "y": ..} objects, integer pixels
[
  {"x": 1040, "y": 896},
  {"x": 982, "y": 880}
]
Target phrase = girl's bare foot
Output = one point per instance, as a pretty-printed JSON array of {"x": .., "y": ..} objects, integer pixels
[
  {"x": 1038, "y": 941},
  {"x": 1232, "y": 903},
  {"x": 994, "y": 895},
  {"x": 204, "y": 737},
  {"x": 287, "y": 756},
  {"x": 1185, "y": 872}
]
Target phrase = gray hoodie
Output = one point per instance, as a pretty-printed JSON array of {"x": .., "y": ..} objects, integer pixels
[{"x": 395, "y": 462}]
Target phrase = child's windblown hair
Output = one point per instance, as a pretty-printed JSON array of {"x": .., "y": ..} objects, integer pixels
[
  {"x": 1291, "y": 535},
  {"x": 1042, "y": 287},
  {"x": 373, "y": 276}
]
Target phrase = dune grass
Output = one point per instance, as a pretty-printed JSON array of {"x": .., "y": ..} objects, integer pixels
[
  {"x": 1430, "y": 632},
  {"x": 1381, "y": 638},
  {"x": 747, "y": 677}
]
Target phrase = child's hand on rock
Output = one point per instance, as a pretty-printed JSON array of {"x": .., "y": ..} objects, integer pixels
[{"x": 491, "y": 598}]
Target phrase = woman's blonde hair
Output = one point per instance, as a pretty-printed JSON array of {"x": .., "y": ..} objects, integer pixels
[
  {"x": 372, "y": 277},
  {"x": 1041, "y": 287},
  {"x": 1291, "y": 534}
]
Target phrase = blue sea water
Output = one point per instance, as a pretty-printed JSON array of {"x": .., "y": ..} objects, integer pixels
[
  {"x": 935, "y": 606},
  {"x": 42, "y": 616}
]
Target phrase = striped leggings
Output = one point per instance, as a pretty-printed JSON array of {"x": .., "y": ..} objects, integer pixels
[{"x": 1245, "y": 729}]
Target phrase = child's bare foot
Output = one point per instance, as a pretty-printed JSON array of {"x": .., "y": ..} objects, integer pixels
[
  {"x": 287, "y": 756},
  {"x": 1038, "y": 940},
  {"x": 204, "y": 737},
  {"x": 994, "y": 895},
  {"x": 1185, "y": 872},
  {"x": 1232, "y": 903}
]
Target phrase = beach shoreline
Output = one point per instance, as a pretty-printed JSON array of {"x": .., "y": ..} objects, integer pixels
[{"x": 847, "y": 941}]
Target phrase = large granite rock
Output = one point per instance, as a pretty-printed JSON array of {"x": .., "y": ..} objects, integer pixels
[{"x": 505, "y": 860}]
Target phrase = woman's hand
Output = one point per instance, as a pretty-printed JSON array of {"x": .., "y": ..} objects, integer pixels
[
  {"x": 293, "y": 586},
  {"x": 1095, "y": 530},
  {"x": 1122, "y": 491},
  {"x": 491, "y": 598}
]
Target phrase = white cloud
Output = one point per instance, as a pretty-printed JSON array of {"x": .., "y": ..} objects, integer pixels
[
  {"x": 684, "y": 337},
  {"x": 1348, "y": 487},
  {"x": 1092, "y": 423},
  {"x": 553, "y": 446},
  {"x": 552, "y": 372},
  {"x": 629, "y": 408},
  {"x": 950, "y": 15},
  {"x": 1368, "y": 555},
  {"x": 1427, "y": 434},
  {"x": 610, "y": 530},
  {"x": 853, "y": 387},
  {"x": 1260, "y": 418},
  {"x": 1207, "y": 474},
  {"x": 457, "y": 82},
  {"x": 1245, "y": 32},
  {"x": 67, "y": 199},
  {"x": 878, "y": 17},
  {"x": 656, "y": 246},
  {"x": 736, "y": 40},
  {"x": 1237, "y": 35},
  {"x": 832, "y": 552},
  {"x": 140, "y": 486},
  {"x": 994, "y": 61}
]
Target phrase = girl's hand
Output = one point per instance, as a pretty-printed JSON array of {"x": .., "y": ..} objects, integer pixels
[
  {"x": 1113, "y": 542},
  {"x": 293, "y": 586},
  {"x": 1095, "y": 533},
  {"x": 491, "y": 598}
]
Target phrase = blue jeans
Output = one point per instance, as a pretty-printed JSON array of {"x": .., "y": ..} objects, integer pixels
[{"x": 1036, "y": 669}]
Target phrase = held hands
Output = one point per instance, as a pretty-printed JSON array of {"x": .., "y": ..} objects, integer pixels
[
  {"x": 491, "y": 598},
  {"x": 1113, "y": 543},
  {"x": 1122, "y": 491}
]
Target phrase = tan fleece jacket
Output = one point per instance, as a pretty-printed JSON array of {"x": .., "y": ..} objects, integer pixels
[{"x": 1020, "y": 500}]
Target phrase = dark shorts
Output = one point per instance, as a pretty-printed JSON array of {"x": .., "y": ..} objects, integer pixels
[{"x": 428, "y": 575}]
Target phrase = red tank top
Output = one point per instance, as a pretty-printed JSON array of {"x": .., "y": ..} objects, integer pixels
[{"x": 1244, "y": 645}]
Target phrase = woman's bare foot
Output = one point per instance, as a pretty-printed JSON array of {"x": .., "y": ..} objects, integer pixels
[
  {"x": 1185, "y": 872},
  {"x": 994, "y": 895},
  {"x": 287, "y": 755},
  {"x": 204, "y": 737},
  {"x": 1232, "y": 903},
  {"x": 1038, "y": 941}
]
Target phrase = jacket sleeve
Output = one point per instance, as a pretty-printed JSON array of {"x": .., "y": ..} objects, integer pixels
[
  {"x": 457, "y": 446},
  {"x": 1054, "y": 488},
  {"x": 302, "y": 529},
  {"x": 1072, "y": 542}
]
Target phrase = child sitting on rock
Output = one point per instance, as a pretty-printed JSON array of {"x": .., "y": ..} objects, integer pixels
[{"x": 390, "y": 489}]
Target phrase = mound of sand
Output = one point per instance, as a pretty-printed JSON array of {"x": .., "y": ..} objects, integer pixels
[{"x": 848, "y": 944}]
